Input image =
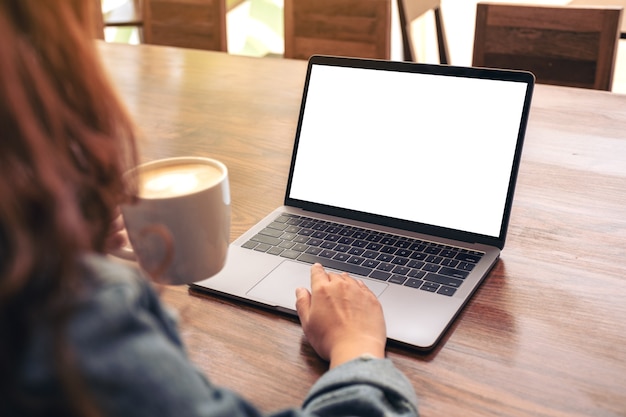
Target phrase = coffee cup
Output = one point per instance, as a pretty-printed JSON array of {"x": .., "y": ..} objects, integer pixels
[{"x": 179, "y": 228}]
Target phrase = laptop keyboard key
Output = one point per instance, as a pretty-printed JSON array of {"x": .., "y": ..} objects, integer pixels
[
  {"x": 334, "y": 230},
  {"x": 277, "y": 225},
  {"x": 465, "y": 266},
  {"x": 451, "y": 272},
  {"x": 356, "y": 251},
  {"x": 434, "y": 259},
  {"x": 446, "y": 291},
  {"x": 359, "y": 243},
  {"x": 342, "y": 248},
  {"x": 268, "y": 240},
  {"x": 314, "y": 251},
  {"x": 384, "y": 257},
  {"x": 341, "y": 257},
  {"x": 468, "y": 257},
  {"x": 398, "y": 260},
  {"x": 450, "y": 262},
  {"x": 443, "y": 280},
  {"x": 405, "y": 253},
  {"x": 401, "y": 270},
  {"x": 334, "y": 264},
  {"x": 381, "y": 275},
  {"x": 249, "y": 244},
  {"x": 301, "y": 239},
  {"x": 432, "y": 250},
  {"x": 448, "y": 253},
  {"x": 319, "y": 235},
  {"x": 388, "y": 249},
  {"x": 262, "y": 247},
  {"x": 374, "y": 246},
  {"x": 418, "y": 256},
  {"x": 286, "y": 244},
  {"x": 385, "y": 266},
  {"x": 397, "y": 279},
  {"x": 356, "y": 260},
  {"x": 414, "y": 283},
  {"x": 429, "y": 286},
  {"x": 291, "y": 254},
  {"x": 404, "y": 244},
  {"x": 346, "y": 232},
  {"x": 300, "y": 247},
  {"x": 415, "y": 264},
  {"x": 275, "y": 250},
  {"x": 414, "y": 273},
  {"x": 371, "y": 263},
  {"x": 332, "y": 238},
  {"x": 360, "y": 235}
]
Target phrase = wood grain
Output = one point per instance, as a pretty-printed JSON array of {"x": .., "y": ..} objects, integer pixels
[
  {"x": 199, "y": 24},
  {"x": 545, "y": 335},
  {"x": 561, "y": 45},
  {"x": 357, "y": 28}
]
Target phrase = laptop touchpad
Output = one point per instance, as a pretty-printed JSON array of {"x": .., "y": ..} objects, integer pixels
[{"x": 278, "y": 288}]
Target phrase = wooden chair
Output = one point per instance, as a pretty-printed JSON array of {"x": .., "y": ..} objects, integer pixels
[
  {"x": 409, "y": 11},
  {"x": 199, "y": 24},
  {"x": 570, "y": 46},
  {"x": 129, "y": 14},
  {"x": 357, "y": 28}
]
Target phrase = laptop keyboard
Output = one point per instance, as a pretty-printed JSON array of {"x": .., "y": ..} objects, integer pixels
[{"x": 386, "y": 257}]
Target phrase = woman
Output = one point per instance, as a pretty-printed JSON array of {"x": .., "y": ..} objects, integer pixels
[{"x": 81, "y": 335}]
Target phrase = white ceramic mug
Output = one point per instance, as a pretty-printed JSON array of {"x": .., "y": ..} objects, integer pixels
[{"x": 179, "y": 229}]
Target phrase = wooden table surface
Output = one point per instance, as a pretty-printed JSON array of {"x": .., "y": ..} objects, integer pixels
[{"x": 545, "y": 335}]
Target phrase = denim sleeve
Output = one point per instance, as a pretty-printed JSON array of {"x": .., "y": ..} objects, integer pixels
[
  {"x": 363, "y": 387},
  {"x": 134, "y": 364}
]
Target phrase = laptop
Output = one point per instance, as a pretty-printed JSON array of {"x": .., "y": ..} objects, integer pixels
[{"x": 402, "y": 174}]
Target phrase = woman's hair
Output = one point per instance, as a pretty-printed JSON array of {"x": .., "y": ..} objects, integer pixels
[{"x": 65, "y": 140}]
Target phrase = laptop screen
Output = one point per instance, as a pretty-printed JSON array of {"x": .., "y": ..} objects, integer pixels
[{"x": 436, "y": 149}]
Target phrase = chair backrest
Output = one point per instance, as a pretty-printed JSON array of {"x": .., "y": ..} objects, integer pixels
[
  {"x": 357, "y": 28},
  {"x": 199, "y": 24},
  {"x": 561, "y": 45},
  {"x": 409, "y": 10},
  {"x": 128, "y": 13}
]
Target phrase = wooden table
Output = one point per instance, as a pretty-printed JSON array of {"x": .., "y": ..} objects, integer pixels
[{"x": 545, "y": 335}]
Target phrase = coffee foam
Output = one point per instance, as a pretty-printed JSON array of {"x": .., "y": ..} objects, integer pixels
[{"x": 176, "y": 179}]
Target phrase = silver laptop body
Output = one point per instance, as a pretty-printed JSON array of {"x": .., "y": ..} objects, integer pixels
[{"x": 418, "y": 161}]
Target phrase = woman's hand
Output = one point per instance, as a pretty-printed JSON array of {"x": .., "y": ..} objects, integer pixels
[{"x": 341, "y": 318}]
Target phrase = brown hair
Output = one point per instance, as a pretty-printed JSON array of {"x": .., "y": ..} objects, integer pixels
[{"x": 65, "y": 140}]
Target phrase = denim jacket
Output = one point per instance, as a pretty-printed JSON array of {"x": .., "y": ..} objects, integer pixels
[{"x": 133, "y": 363}]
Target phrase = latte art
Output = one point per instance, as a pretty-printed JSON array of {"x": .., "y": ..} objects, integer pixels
[{"x": 176, "y": 179}]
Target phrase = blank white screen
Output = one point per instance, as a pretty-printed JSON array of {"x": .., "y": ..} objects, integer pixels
[{"x": 431, "y": 149}]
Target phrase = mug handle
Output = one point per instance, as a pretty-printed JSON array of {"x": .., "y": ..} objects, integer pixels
[{"x": 156, "y": 273}]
